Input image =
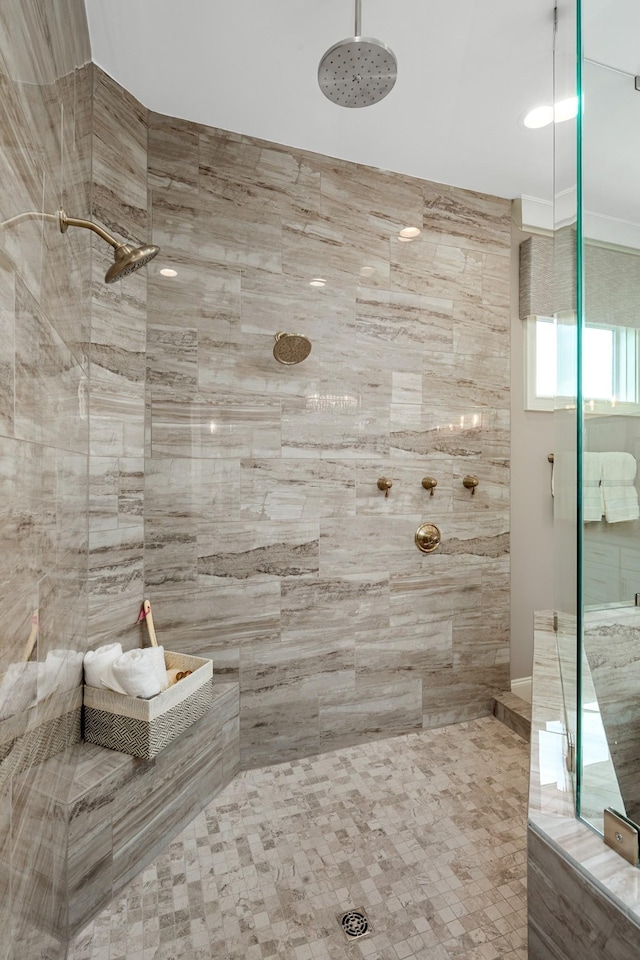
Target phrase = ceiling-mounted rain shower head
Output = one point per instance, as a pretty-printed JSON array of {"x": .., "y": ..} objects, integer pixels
[
  {"x": 291, "y": 348},
  {"x": 358, "y": 71},
  {"x": 127, "y": 259}
]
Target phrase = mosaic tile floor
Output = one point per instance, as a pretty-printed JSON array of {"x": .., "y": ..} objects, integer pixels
[{"x": 426, "y": 832}]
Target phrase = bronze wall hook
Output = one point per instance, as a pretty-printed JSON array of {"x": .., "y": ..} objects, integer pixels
[
  {"x": 471, "y": 483},
  {"x": 429, "y": 483}
]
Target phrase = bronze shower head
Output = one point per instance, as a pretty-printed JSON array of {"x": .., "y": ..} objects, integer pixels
[
  {"x": 127, "y": 259},
  {"x": 291, "y": 348}
]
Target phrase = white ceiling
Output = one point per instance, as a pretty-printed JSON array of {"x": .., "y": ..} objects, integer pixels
[{"x": 468, "y": 70}]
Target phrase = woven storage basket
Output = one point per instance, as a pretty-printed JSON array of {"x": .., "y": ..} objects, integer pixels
[{"x": 142, "y": 728}]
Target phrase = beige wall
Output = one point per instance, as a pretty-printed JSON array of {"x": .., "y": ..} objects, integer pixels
[{"x": 532, "y": 439}]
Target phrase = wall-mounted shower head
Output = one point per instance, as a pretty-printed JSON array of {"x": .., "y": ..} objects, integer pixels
[
  {"x": 291, "y": 348},
  {"x": 127, "y": 259},
  {"x": 358, "y": 71}
]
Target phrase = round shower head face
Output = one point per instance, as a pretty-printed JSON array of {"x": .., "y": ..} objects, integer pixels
[
  {"x": 129, "y": 259},
  {"x": 291, "y": 348},
  {"x": 357, "y": 72}
]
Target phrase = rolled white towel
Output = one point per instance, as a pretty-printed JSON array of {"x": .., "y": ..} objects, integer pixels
[
  {"x": 156, "y": 655},
  {"x": 60, "y": 670},
  {"x": 136, "y": 673},
  {"x": 19, "y": 688},
  {"x": 98, "y": 667}
]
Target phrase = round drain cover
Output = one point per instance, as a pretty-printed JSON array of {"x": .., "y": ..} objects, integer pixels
[{"x": 355, "y": 924}]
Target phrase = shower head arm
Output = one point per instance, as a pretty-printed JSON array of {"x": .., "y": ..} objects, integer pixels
[
  {"x": 66, "y": 222},
  {"x": 358, "y": 32}
]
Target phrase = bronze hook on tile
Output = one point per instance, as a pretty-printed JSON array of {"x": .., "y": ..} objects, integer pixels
[
  {"x": 429, "y": 483},
  {"x": 471, "y": 483}
]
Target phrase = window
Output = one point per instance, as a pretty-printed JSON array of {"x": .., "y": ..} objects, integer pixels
[{"x": 610, "y": 364}]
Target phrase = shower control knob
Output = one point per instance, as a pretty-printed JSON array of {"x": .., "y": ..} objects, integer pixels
[{"x": 385, "y": 484}]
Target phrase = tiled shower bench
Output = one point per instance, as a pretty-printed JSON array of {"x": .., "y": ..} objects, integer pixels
[{"x": 103, "y": 816}]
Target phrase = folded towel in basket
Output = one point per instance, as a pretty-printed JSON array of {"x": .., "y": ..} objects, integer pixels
[
  {"x": 156, "y": 655},
  {"x": 19, "y": 688},
  {"x": 61, "y": 670},
  {"x": 136, "y": 672},
  {"x": 98, "y": 667}
]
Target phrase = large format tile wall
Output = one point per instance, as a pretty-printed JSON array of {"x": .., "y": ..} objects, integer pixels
[
  {"x": 45, "y": 310},
  {"x": 268, "y": 545}
]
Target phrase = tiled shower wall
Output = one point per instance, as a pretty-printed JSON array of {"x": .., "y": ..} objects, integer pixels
[
  {"x": 45, "y": 311},
  {"x": 268, "y": 545}
]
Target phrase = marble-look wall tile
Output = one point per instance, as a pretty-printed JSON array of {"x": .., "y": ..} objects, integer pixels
[
  {"x": 401, "y": 653},
  {"x": 296, "y": 489},
  {"x": 7, "y": 347},
  {"x": 301, "y": 668},
  {"x": 173, "y": 153},
  {"x": 404, "y": 319},
  {"x": 431, "y": 431},
  {"x": 370, "y": 712},
  {"x": 270, "y": 550},
  {"x": 334, "y": 426},
  {"x": 117, "y": 419},
  {"x": 356, "y": 544},
  {"x": 329, "y": 603},
  {"x": 359, "y": 634},
  {"x": 278, "y": 301},
  {"x": 198, "y": 491},
  {"x": 218, "y": 621},
  {"x": 198, "y": 427}
]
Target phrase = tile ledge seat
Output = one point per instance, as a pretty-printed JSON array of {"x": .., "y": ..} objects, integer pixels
[{"x": 106, "y": 815}]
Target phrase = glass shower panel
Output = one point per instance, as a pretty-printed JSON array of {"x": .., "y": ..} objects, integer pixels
[
  {"x": 566, "y": 405},
  {"x": 609, "y": 773}
]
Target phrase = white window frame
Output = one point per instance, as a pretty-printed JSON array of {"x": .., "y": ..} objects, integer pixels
[
  {"x": 531, "y": 400},
  {"x": 624, "y": 361}
]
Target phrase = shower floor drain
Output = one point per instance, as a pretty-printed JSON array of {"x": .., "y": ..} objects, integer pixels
[{"x": 355, "y": 924}]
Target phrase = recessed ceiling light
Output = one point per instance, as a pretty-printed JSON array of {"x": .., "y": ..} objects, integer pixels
[
  {"x": 168, "y": 272},
  {"x": 317, "y": 282},
  {"x": 566, "y": 109},
  {"x": 538, "y": 117},
  {"x": 409, "y": 233},
  {"x": 367, "y": 271}
]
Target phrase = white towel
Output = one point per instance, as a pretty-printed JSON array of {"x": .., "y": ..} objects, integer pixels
[
  {"x": 98, "y": 667},
  {"x": 60, "y": 670},
  {"x": 136, "y": 672},
  {"x": 156, "y": 655},
  {"x": 19, "y": 688},
  {"x": 620, "y": 495},
  {"x": 592, "y": 495}
]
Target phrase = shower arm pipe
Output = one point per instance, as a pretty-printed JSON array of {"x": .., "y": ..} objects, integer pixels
[
  {"x": 358, "y": 18},
  {"x": 66, "y": 222},
  {"x": 63, "y": 221}
]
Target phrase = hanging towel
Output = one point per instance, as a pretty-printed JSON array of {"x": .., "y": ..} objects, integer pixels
[
  {"x": 592, "y": 493},
  {"x": 135, "y": 671},
  {"x": 98, "y": 667},
  {"x": 620, "y": 495},
  {"x": 564, "y": 486}
]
